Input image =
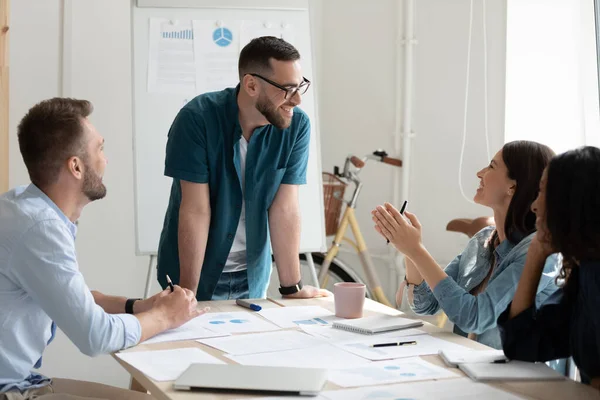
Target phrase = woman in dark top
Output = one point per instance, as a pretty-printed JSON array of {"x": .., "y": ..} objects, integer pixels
[{"x": 568, "y": 221}]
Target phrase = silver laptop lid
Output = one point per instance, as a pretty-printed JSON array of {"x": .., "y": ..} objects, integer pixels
[{"x": 289, "y": 380}]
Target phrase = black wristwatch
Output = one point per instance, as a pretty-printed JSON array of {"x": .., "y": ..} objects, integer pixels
[
  {"x": 287, "y": 290},
  {"x": 129, "y": 305}
]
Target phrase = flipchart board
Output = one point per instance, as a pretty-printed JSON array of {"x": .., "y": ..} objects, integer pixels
[{"x": 182, "y": 48}]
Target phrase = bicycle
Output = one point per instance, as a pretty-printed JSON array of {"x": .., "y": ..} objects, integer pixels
[{"x": 330, "y": 269}]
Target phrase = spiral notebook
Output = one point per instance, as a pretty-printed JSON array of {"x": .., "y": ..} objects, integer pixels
[
  {"x": 454, "y": 358},
  {"x": 510, "y": 371},
  {"x": 376, "y": 324}
]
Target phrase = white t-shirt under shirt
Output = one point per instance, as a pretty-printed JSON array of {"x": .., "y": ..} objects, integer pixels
[{"x": 237, "y": 255}]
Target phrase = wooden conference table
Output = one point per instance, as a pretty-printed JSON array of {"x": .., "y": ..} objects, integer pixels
[{"x": 566, "y": 389}]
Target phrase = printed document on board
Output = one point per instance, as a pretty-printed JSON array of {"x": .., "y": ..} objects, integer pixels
[{"x": 171, "y": 62}]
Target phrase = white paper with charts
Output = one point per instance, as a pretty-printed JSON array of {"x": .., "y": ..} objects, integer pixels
[
  {"x": 235, "y": 322},
  {"x": 332, "y": 335},
  {"x": 265, "y": 342},
  {"x": 324, "y": 356},
  {"x": 171, "y": 62},
  {"x": 191, "y": 330},
  {"x": 216, "y": 48},
  {"x": 292, "y": 317},
  {"x": 425, "y": 345},
  {"x": 446, "y": 389},
  {"x": 395, "y": 371},
  {"x": 166, "y": 365}
]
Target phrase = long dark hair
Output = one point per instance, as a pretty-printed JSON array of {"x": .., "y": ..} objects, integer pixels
[
  {"x": 525, "y": 162},
  {"x": 573, "y": 207}
]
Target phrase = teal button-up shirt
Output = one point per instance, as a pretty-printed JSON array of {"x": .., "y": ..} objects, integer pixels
[{"x": 203, "y": 147}]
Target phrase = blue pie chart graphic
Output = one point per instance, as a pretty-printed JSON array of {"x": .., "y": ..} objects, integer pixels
[{"x": 222, "y": 37}]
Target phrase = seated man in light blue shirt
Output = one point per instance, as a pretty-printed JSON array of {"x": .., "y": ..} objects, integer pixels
[{"x": 41, "y": 286}]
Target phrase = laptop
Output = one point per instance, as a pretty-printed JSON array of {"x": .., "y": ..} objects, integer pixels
[{"x": 241, "y": 378}]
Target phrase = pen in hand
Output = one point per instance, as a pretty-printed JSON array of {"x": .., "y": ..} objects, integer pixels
[
  {"x": 394, "y": 344},
  {"x": 170, "y": 283},
  {"x": 401, "y": 213}
]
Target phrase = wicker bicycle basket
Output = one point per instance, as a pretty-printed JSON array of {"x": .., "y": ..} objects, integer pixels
[{"x": 333, "y": 193}]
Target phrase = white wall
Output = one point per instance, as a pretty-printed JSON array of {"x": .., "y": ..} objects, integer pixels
[
  {"x": 105, "y": 241},
  {"x": 355, "y": 52},
  {"x": 356, "y": 66},
  {"x": 35, "y": 74},
  {"x": 356, "y": 56},
  {"x": 551, "y": 85},
  {"x": 441, "y": 55}
]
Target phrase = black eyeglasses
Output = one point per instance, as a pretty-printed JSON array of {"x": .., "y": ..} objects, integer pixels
[{"x": 289, "y": 91}]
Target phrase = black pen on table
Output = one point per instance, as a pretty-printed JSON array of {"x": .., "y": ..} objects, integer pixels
[
  {"x": 170, "y": 283},
  {"x": 394, "y": 344},
  {"x": 401, "y": 213}
]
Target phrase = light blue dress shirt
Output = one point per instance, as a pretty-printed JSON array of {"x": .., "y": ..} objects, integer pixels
[
  {"x": 478, "y": 314},
  {"x": 41, "y": 287}
]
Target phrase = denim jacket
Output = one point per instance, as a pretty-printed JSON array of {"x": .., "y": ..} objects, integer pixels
[{"x": 478, "y": 314}]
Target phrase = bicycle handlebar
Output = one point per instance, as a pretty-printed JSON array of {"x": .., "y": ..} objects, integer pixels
[
  {"x": 357, "y": 162},
  {"x": 378, "y": 155},
  {"x": 391, "y": 161}
]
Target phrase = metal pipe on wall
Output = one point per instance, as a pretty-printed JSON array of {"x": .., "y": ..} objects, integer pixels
[
  {"x": 406, "y": 135},
  {"x": 404, "y": 103},
  {"x": 4, "y": 92}
]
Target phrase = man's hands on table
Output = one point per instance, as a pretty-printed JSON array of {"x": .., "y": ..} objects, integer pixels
[{"x": 309, "y": 292}]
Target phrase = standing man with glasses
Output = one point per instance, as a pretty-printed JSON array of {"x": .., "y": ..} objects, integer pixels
[{"x": 237, "y": 158}]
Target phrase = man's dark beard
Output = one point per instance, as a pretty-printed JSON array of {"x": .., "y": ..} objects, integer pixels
[
  {"x": 269, "y": 111},
  {"x": 93, "y": 187}
]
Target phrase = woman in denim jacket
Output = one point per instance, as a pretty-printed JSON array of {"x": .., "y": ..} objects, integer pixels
[{"x": 477, "y": 286}]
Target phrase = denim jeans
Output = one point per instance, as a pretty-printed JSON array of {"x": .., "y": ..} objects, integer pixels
[{"x": 231, "y": 286}]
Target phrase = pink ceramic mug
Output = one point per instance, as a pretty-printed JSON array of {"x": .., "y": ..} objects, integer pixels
[{"x": 349, "y": 298}]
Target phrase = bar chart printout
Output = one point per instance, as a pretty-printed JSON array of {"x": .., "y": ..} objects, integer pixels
[{"x": 171, "y": 59}]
